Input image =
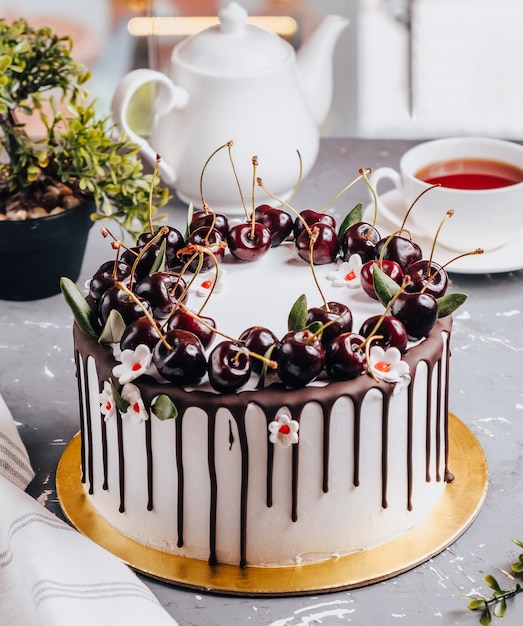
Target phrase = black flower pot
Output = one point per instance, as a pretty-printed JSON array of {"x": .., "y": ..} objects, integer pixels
[{"x": 35, "y": 253}]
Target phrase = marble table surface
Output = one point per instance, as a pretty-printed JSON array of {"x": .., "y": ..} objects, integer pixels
[{"x": 37, "y": 381}]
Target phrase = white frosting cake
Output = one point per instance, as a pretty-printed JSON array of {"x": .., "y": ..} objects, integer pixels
[{"x": 349, "y": 465}]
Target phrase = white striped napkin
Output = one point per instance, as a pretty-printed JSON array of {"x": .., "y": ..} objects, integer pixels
[{"x": 51, "y": 575}]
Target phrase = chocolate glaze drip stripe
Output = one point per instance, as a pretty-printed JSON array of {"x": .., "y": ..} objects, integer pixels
[
  {"x": 89, "y": 431},
  {"x": 77, "y": 363},
  {"x": 211, "y": 437}
]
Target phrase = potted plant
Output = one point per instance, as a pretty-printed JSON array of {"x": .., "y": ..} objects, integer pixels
[{"x": 63, "y": 166}]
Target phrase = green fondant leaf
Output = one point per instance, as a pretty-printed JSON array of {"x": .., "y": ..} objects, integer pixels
[
  {"x": 83, "y": 314},
  {"x": 385, "y": 287},
  {"x": 164, "y": 408},
  {"x": 114, "y": 328},
  {"x": 356, "y": 215},
  {"x": 159, "y": 261},
  {"x": 297, "y": 319},
  {"x": 265, "y": 367},
  {"x": 121, "y": 404},
  {"x": 449, "y": 303}
]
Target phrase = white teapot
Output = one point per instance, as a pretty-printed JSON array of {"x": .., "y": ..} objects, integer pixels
[{"x": 241, "y": 83}]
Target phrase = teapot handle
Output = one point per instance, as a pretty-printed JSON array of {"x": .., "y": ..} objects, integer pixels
[{"x": 169, "y": 97}]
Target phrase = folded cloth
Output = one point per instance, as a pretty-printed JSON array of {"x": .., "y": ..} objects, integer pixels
[{"x": 50, "y": 574}]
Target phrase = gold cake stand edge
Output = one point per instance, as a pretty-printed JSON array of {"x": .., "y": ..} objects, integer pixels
[{"x": 454, "y": 513}]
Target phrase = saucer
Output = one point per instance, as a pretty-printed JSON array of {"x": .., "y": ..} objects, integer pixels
[{"x": 505, "y": 259}]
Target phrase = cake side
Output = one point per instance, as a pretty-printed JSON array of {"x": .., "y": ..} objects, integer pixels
[{"x": 369, "y": 463}]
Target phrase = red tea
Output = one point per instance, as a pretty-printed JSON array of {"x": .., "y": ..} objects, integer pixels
[{"x": 471, "y": 174}]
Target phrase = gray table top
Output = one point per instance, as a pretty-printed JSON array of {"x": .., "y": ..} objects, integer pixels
[{"x": 37, "y": 380}]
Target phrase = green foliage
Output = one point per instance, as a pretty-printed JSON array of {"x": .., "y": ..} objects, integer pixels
[
  {"x": 40, "y": 80},
  {"x": 499, "y": 596}
]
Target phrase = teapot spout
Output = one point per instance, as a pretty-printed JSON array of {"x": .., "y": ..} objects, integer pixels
[{"x": 314, "y": 62}]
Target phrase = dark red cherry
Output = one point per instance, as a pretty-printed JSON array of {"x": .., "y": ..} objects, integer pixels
[
  {"x": 391, "y": 329},
  {"x": 391, "y": 268},
  {"x": 259, "y": 340},
  {"x": 116, "y": 298},
  {"x": 162, "y": 290},
  {"x": 200, "y": 325},
  {"x": 417, "y": 311},
  {"x": 278, "y": 221},
  {"x": 139, "y": 332},
  {"x": 229, "y": 367},
  {"x": 338, "y": 316},
  {"x": 211, "y": 239},
  {"x": 325, "y": 248},
  {"x": 144, "y": 259},
  {"x": 400, "y": 249},
  {"x": 312, "y": 217},
  {"x": 210, "y": 220},
  {"x": 300, "y": 358},
  {"x": 345, "y": 357},
  {"x": 360, "y": 238},
  {"x": 428, "y": 277},
  {"x": 173, "y": 242},
  {"x": 247, "y": 243},
  {"x": 183, "y": 362},
  {"x": 103, "y": 277}
]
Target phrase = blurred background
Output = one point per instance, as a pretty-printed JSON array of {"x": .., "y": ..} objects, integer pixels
[{"x": 403, "y": 68}]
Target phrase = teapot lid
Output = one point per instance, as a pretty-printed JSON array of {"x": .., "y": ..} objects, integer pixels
[{"x": 232, "y": 47}]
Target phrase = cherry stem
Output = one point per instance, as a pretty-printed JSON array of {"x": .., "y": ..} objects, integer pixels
[
  {"x": 230, "y": 144},
  {"x": 388, "y": 240},
  {"x": 149, "y": 317},
  {"x": 374, "y": 200},
  {"x": 151, "y": 191},
  {"x": 225, "y": 145},
  {"x": 416, "y": 200},
  {"x": 448, "y": 215},
  {"x": 117, "y": 243},
  {"x": 334, "y": 198},
  {"x": 460, "y": 256},
  {"x": 296, "y": 213},
  {"x": 312, "y": 240},
  {"x": 298, "y": 182},
  {"x": 253, "y": 213},
  {"x": 268, "y": 362}
]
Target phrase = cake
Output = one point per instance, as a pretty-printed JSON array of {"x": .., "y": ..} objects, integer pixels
[{"x": 272, "y": 473}]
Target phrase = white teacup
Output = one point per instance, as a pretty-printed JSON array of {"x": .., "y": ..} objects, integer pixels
[{"x": 486, "y": 218}]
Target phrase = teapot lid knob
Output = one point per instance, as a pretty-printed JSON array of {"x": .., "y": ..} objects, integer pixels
[{"x": 233, "y": 18}]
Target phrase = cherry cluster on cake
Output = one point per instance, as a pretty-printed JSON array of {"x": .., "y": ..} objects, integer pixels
[{"x": 139, "y": 300}]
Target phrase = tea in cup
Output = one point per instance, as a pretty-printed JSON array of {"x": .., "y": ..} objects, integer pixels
[{"x": 480, "y": 179}]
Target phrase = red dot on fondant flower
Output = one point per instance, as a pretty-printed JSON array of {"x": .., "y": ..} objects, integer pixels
[
  {"x": 285, "y": 429},
  {"x": 207, "y": 284}
]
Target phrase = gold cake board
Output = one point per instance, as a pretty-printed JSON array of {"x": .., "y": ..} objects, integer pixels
[{"x": 454, "y": 513}]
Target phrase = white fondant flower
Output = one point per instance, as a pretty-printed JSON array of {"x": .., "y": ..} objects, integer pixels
[
  {"x": 134, "y": 363},
  {"x": 204, "y": 282},
  {"x": 136, "y": 409},
  {"x": 348, "y": 273},
  {"x": 388, "y": 365},
  {"x": 284, "y": 430},
  {"x": 107, "y": 402}
]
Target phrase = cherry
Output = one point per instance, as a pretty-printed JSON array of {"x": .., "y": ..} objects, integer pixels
[
  {"x": 162, "y": 290},
  {"x": 259, "y": 340},
  {"x": 325, "y": 248},
  {"x": 391, "y": 329},
  {"x": 183, "y": 362},
  {"x": 229, "y": 367},
  {"x": 141, "y": 331},
  {"x": 391, "y": 268},
  {"x": 121, "y": 301},
  {"x": 338, "y": 316},
  {"x": 211, "y": 239},
  {"x": 278, "y": 221},
  {"x": 417, "y": 311},
  {"x": 310, "y": 218},
  {"x": 173, "y": 242},
  {"x": 248, "y": 242},
  {"x": 300, "y": 358},
  {"x": 345, "y": 357},
  {"x": 360, "y": 238},
  {"x": 145, "y": 262},
  {"x": 105, "y": 277},
  {"x": 210, "y": 220},
  {"x": 427, "y": 276},
  {"x": 400, "y": 249},
  {"x": 200, "y": 325}
]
